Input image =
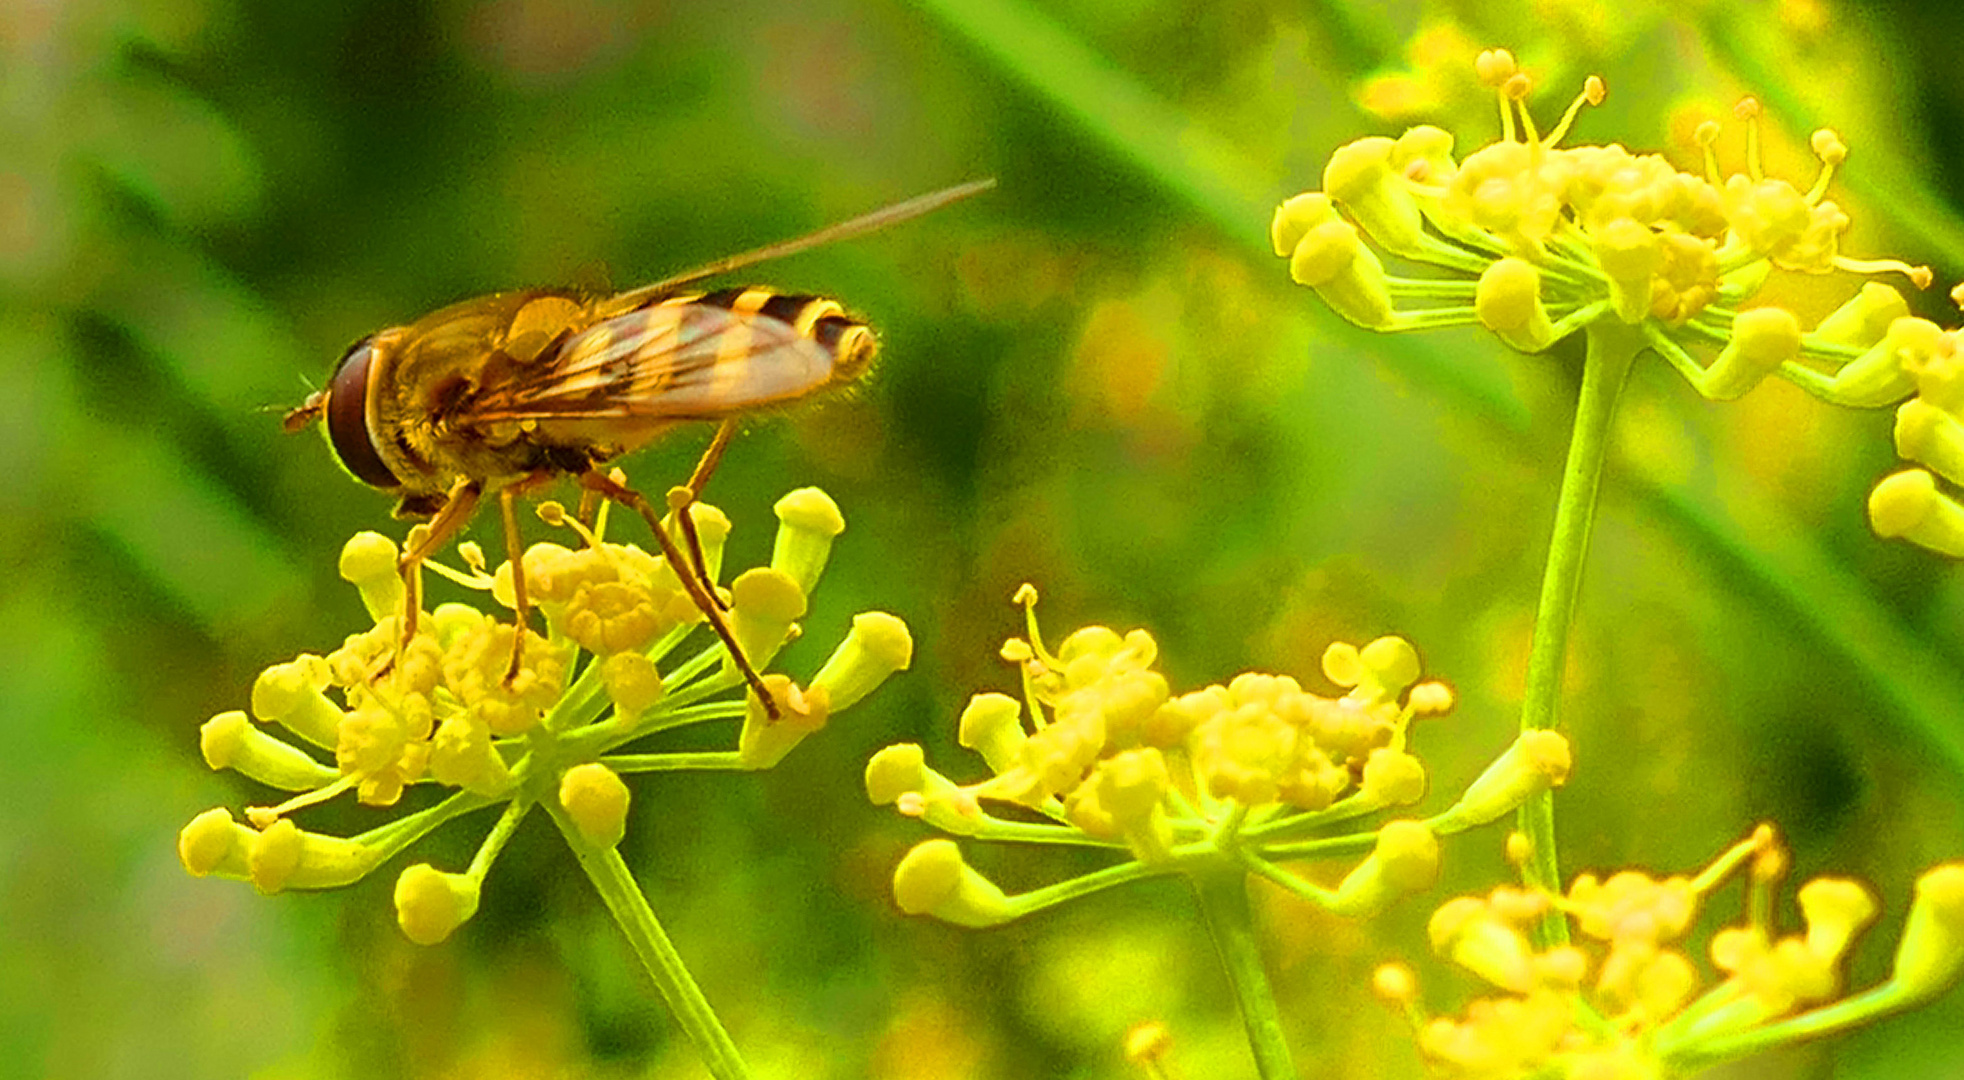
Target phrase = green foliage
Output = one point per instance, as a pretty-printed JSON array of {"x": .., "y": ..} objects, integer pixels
[{"x": 1093, "y": 378}]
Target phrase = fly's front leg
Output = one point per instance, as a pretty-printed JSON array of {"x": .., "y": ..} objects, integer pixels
[
  {"x": 701, "y": 592},
  {"x": 458, "y": 506},
  {"x": 515, "y": 556}
]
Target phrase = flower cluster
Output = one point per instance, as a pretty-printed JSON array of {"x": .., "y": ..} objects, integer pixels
[
  {"x": 1929, "y": 432},
  {"x": 1633, "y": 1004},
  {"x": 444, "y": 707},
  {"x": 1539, "y": 241},
  {"x": 1237, "y": 774}
]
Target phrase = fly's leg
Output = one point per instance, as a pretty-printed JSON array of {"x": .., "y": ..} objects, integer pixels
[
  {"x": 677, "y": 501},
  {"x": 515, "y": 555},
  {"x": 701, "y": 593},
  {"x": 458, "y": 506},
  {"x": 589, "y": 509}
]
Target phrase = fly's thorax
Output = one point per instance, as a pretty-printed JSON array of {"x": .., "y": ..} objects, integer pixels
[{"x": 396, "y": 406}]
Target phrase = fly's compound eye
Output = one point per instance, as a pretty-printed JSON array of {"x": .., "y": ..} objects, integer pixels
[{"x": 348, "y": 428}]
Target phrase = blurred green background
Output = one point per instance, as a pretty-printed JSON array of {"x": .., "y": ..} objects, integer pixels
[{"x": 1095, "y": 378}]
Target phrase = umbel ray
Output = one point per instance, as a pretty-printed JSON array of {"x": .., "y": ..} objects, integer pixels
[{"x": 502, "y": 394}]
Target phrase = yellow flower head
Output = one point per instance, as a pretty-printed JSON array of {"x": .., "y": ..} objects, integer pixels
[{"x": 1539, "y": 240}]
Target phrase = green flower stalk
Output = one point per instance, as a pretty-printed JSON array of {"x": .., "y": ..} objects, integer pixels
[
  {"x": 377, "y": 715},
  {"x": 1209, "y": 785},
  {"x": 1633, "y": 1002}
]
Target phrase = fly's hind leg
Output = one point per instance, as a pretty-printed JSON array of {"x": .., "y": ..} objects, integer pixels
[
  {"x": 693, "y": 580},
  {"x": 680, "y": 499}
]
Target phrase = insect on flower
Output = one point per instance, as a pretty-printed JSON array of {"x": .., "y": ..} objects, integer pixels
[{"x": 507, "y": 392}]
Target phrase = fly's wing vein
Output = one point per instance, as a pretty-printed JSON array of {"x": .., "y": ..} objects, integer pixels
[{"x": 677, "y": 361}]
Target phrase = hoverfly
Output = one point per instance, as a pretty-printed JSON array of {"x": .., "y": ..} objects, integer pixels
[{"x": 504, "y": 393}]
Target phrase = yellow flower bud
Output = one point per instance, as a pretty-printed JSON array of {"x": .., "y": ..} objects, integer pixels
[
  {"x": 552, "y": 572},
  {"x": 895, "y": 771},
  {"x": 632, "y": 681},
  {"x": 934, "y": 880},
  {"x": 1835, "y": 909},
  {"x": 808, "y": 519},
  {"x": 1931, "y": 954},
  {"x": 1507, "y": 301},
  {"x": 1537, "y": 761},
  {"x": 1763, "y": 338},
  {"x": 1393, "y": 777},
  {"x": 284, "y": 856},
  {"x": 1469, "y": 933},
  {"x": 764, "y": 602},
  {"x": 229, "y": 741},
  {"x": 765, "y": 740},
  {"x": 1865, "y": 318},
  {"x": 1406, "y": 860},
  {"x": 1294, "y": 218},
  {"x": 431, "y": 904},
  {"x": 1131, "y": 786},
  {"x": 1346, "y": 274},
  {"x": 213, "y": 843},
  {"x": 1360, "y": 177},
  {"x": 992, "y": 725},
  {"x": 1907, "y": 504},
  {"x": 877, "y": 646},
  {"x": 290, "y": 695},
  {"x": 1931, "y": 437},
  {"x": 368, "y": 562},
  {"x": 1630, "y": 256},
  {"x": 462, "y": 755},
  {"x": 451, "y": 621},
  {"x": 1425, "y": 153},
  {"x": 596, "y": 800},
  {"x": 898, "y": 776},
  {"x": 1930, "y": 355}
]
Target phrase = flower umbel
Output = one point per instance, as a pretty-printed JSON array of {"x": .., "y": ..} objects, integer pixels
[
  {"x": 1633, "y": 1002},
  {"x": 1234, "y": 778},
  {"x": 375, "y": 715},
  {"x": 1537, "y": 241}
]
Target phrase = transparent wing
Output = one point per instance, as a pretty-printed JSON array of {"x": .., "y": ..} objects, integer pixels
[{"x": 667, "y": 362}]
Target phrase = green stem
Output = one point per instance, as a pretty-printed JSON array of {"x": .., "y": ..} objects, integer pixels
[
  {"x": 678, "y": 988},
  {"x": 1223, "y": 899},
  {"x": 494, "y": 842},
  {"x": 677, "y": 761},
  {"x": 1843, "y": 1015},
  {"x": 1612, "y": 347}
]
